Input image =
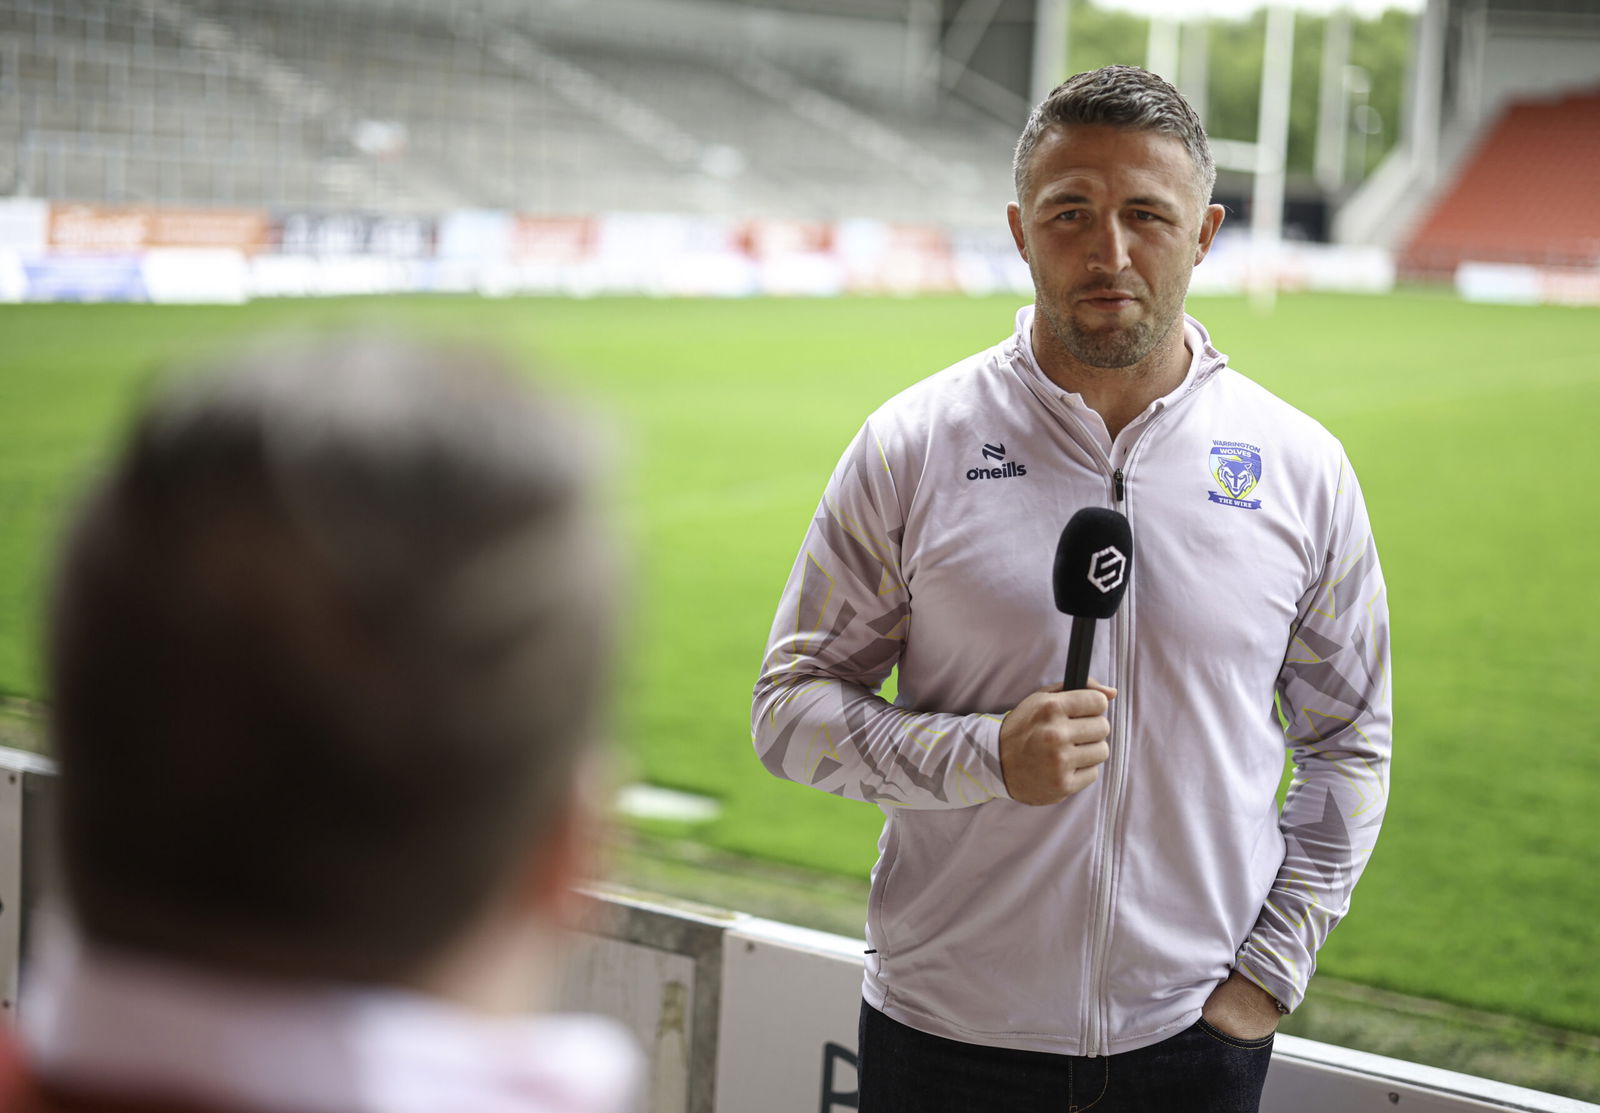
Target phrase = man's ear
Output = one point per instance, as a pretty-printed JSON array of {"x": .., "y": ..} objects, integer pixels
[
  {"x": 1014, "y": 218},
  {"x": 1209, "y": 223}
]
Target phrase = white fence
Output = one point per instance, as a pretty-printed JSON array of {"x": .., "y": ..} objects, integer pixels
[
  {"x": 781, "y": 1002},
  {"x": 743, "y": 1015}
]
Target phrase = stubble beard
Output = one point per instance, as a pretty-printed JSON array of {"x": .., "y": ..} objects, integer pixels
[{"x": 1114, "y": 346}]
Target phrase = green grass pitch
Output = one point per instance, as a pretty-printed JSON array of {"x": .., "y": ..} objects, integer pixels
[{"x": 1471, "y": 427}]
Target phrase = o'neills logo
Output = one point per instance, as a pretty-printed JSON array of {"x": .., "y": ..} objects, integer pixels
[{"x": 1006, "y": 468}]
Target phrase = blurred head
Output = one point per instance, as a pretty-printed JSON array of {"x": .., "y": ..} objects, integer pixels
[
  {"x": 1124, "y": 97},
  {"x": 326, "y": 655}
]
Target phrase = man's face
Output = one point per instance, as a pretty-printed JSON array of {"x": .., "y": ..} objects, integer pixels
[{"x": 1111, "y": 225}]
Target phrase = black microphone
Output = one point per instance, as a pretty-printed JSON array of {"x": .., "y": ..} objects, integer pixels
[{"x": 1094, "y": 559}]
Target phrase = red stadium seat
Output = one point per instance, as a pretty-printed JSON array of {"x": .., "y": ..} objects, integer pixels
[{"x": 1526, "y": 194}]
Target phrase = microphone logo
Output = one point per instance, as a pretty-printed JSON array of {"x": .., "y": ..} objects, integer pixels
[{"x": 1107, "y": 569}]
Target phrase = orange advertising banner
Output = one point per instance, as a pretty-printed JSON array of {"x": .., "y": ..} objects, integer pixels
[
  {"x": 553, "y": 239},
  {"x": 117, "y": 229},
  {"x": 766, "y": 238}
]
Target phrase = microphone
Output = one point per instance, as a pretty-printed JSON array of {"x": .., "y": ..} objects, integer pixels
[{"x": 1094, "y": 559}]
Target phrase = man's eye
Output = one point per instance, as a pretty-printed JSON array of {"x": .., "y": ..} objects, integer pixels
[
  {"x": 1069, "y": 214},
  {"x": 1145, "y": 215}
]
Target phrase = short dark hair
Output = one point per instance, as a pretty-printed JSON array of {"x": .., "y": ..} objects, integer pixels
[
  {"x": 1123, "y": 97},
  {"x": 326, "y": 647}
]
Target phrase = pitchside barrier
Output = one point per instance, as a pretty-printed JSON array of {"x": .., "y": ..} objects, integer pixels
[{"x": 743, "y": 1015}]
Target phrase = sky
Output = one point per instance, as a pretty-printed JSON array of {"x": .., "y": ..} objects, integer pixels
[{"x": 1233, "y": 8}]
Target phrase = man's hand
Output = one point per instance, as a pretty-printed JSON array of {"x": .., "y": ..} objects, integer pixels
[
  {"x": 1053, "y": 743},
  {"x": 1241, "y": 1009}
]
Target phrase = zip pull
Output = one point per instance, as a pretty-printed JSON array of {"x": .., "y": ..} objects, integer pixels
[{"x": 1122, "y": 490}]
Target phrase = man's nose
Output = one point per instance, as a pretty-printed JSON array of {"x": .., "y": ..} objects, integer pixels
[{"x": 1109, "y": 250}]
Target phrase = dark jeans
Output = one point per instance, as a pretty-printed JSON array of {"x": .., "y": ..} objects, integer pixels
[{"x": 1199, "y": 1070}]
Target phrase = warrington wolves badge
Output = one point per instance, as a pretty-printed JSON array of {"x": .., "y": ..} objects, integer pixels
[{"x": 1236, "y": 467}]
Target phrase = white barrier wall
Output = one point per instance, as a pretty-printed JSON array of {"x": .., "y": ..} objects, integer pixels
[
  {"x": 790, "y": 999},
  {"x": 743, "y": 1015},
  {"x": 787, "y": 1004},
  {"x": 25, "y": 781}
]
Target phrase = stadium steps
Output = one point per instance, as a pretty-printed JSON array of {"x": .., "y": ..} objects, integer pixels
[
  {"x": 953, "y": 184},
  {"x": 770, "y": 162},
  {"x": 100, "y": 118},
  {"x": 1524, "y": 195},
  {"x": 784, "y": 146},
  {"x": 484, "y": 108},
  {"x": 350, "y": 182},
  {"x": 160, "y": 101},
  {"x": 239, "y": 102}
]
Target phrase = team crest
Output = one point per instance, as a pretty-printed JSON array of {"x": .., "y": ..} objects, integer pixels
[{"x": 1236, "y": 467}]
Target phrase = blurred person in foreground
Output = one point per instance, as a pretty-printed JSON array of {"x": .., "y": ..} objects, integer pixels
[
  {"x": 1090, "y": 899},
  {"x": 327, "y": 659}
]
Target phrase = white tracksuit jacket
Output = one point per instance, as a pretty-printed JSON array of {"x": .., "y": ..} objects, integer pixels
[{"x": 1098, "y": 924}]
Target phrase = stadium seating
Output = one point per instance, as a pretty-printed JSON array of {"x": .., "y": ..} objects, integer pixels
[
  {"x": 1524, "y": 195},
  {"x": 302, "y": 105}
]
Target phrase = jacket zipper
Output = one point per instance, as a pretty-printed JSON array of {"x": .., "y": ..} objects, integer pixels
[
  {"x": 1108, "y": 851},
  {"x": 1096, "y": 1043},
  {"x": 1099, "y": 942},
  {"x": 1095, "y": 997}
]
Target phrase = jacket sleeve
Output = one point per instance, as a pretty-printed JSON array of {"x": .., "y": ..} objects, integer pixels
[
  {"x": 1333, "y": 697},
  {"x": 841, "y": 625}
]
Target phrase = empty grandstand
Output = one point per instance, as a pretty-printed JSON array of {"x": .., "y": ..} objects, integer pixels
[
  {"x": 378, "y": 123},
  {"x": 1525, "y": 194},
  {"x": 1501, "y": 145},
  {"x": 420, "y": 108}
]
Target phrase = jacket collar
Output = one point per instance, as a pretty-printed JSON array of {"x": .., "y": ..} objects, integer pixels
[{"x": 1205, "y": 362}]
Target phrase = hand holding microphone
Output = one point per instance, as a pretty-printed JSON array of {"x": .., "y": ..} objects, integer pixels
[{"x": 1053, "y": 743}]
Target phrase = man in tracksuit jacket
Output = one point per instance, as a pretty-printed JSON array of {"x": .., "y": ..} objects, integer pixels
[{"x": 1090, "y": 899}]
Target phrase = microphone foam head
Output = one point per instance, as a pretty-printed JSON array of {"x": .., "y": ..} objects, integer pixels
[{"x": 1094, "y": 559}]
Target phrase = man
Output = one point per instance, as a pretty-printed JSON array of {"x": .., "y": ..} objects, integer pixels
[
  {"x": 1088, "y": 899},
  {"x": 326, "y": 657}
]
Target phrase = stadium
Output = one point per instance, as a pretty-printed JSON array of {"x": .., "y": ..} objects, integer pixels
[{"x": 733, "y": 228}]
